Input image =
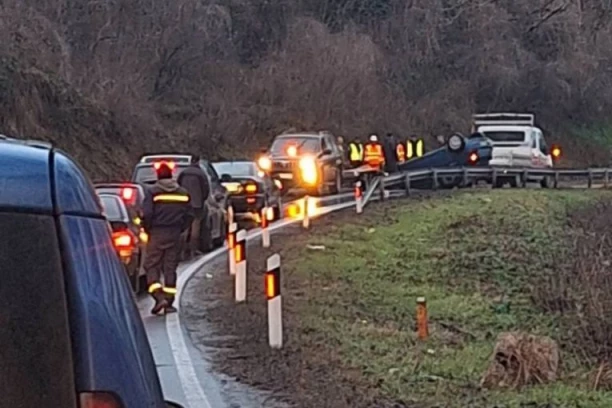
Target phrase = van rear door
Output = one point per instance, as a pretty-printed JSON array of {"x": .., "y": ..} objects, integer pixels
[{"x": 511, "y": 147}]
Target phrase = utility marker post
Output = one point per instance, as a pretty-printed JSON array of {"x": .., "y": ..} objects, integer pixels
[
  {"x": 273, "y": 294},
  {"x": 306, "y": 218},
  {"x": 265, "y": 232},
  {"x": 422, "y": 324},
  {"x": 231, "y": 245},
  {"x": 358, "y": 197},
  {"x": 240, "y": 285}
]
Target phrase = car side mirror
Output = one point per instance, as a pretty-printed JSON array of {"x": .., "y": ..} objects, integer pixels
[
  {"x": 172, "y": 405},
  {"x": 226, "y": 178}
]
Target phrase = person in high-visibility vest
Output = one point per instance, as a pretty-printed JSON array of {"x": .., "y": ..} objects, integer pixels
[
  {"x": 410, "y": 147},
  {"x": 355, "y": 153},
  {"x": 373, "y": 153},
  {"x": 419, "y": 148},
  {"x": 400, "y": 152}
]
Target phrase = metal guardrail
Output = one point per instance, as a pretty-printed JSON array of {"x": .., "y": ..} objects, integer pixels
[{"x": 469, "y": 175}]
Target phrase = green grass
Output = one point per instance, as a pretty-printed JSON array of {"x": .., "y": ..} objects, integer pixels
[{"x": 473, "y": 256}]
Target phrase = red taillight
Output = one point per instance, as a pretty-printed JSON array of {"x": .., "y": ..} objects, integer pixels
[
  {"x": 128, "y": 194},
  {"x": 99, "y": 400},
  {"x": 124, "y": 242},
  {"x": 473, "y": 158},
  {"x": 158, "y": 164}
]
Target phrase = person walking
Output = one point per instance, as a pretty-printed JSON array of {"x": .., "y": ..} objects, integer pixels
[
  {"x": 167, "y": 213},
  {"x": 195, "y": 181}
]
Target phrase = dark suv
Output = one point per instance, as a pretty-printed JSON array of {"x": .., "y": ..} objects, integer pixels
[
  {"x": 71, "y": 334},
  {"x": 309, "y": 161}
]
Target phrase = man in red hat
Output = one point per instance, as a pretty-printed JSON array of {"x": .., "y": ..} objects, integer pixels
[{"x": 167, "y": 213}]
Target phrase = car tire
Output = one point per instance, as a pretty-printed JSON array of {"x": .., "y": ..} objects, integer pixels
[
  {"x": 450, "y": 181},
  {"x": 206, "y": 237},
  {"x": 514, "y": 182},
  {"x": 135, "y": 279},
  {"x": 337, "y": 186},
  {"x": 218, "y": 242},
  {"x": 546, "y": 182}
]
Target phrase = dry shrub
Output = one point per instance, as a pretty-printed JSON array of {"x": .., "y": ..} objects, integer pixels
[
  {"x": 579, "y": 289},
  {"x": 601, "y": 378},
  {"x": 521, "y": 359}
]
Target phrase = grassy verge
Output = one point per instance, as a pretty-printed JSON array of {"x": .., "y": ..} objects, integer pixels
[{"x": 477, "y": 258}]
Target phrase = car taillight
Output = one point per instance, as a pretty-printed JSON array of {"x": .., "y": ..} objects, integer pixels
[
  {"x": 170, "y": 164},
  {"x": 473, "y": 158},
  {"x": 555, "y": 152},
  {"x": 99, "y": 400},
  {"x": 128, "y": 194},
  {"x": 124, "y": 242},
  {"x": 250, "y": 188}
]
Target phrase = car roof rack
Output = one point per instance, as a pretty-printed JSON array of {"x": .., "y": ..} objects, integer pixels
[{"x": 497, "y": 119}]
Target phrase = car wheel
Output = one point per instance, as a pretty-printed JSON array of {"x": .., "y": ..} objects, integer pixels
[
  {"x": 514, "y": 182},
  {"x": 546, "y": 182},
  {"x": 337, "y": 182},
  {"x": 218, "y": 242},
  {"x": 206, "y": 237},
  {"x": 135, "y": 279},
  {"x": 450, "y": 181}
]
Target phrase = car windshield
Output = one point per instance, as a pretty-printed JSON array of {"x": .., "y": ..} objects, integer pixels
[
  {"x": 112, "y": 207},
  {"x": 303, "y": 145},
  {"x": 148, "y": 175},
  {"x": 505, "y": 136},
  {"x": 236, "y": 169}
]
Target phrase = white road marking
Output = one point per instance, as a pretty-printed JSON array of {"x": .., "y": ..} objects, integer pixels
[{"x": 195, "y": 395}]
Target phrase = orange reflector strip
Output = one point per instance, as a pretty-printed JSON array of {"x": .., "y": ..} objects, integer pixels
[
  {"x": 231, "y": 240},
  {"x": 270, "y": 285},
  {"x": 239, "y": 252}
]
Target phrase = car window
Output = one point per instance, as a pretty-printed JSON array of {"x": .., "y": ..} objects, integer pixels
[
  {"x": 304, "y": 145},
  {"x": 24, "y": 177},
  {"x": 74, "y": 192},
  {"x": 543, "y": 145},
  {"x": 113, "y": 207},
  {"x": 534, "y": 140},
  {"x": 35, "y": 355},
  {"x": 236, "y": 169},
  {"x": 505, "y": 135},
  {"x": 114, "y": 353},
  {"x": 148, "y": 175},
  {"x": 209, "y": 169}
]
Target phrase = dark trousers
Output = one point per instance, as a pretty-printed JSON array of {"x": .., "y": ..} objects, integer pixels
[
  {"x": 193, "y": 234},
  {"x": 161, "y": 261}
]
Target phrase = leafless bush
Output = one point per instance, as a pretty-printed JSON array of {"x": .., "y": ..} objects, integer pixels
[{"x": 580, "y": 291}]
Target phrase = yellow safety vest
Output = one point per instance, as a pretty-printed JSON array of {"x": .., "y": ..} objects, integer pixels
[
  {"x": 409, "y": 150},
  {"x": 356, "y": 152},
  {"x": 420, "y": 150}
]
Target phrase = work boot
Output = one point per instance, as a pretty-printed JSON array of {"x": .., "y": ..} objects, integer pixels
[
  {"x": 169, "y": 308},
  {"x": 159, "y": 306}
]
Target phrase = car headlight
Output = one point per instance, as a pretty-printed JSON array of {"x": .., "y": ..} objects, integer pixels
[
  {"x": 264, "y": 163},
  {"x": 456, "y": 143},
  {"x": 308, "y": 170}
]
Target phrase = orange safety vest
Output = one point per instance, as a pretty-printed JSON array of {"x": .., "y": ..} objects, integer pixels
[
  {"x": 400, "y": 152},
  {"x": 374, "y": 155}
]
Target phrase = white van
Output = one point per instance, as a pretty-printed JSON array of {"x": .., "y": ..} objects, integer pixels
[{"x": 517, "y": 142}]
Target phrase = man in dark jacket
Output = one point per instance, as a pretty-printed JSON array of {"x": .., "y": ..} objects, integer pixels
[
  {"x": 390, "y": 155},
  {"x": 195, "y": 181},
  {"x": 167, "y": 213}
]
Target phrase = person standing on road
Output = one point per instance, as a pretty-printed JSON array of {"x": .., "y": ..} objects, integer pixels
[
  {"x": 195, "y": 181},
  {"x": 390, "y": 155},
  {"x": 167, "y": 213}
]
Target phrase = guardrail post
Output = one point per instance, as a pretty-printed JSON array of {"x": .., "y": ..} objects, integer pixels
[
  {"x": 494, "y": 178},
  {"x": 590, "y": 182},
  {"x": 466, "y": 177},
  {"x": 556, "y": 183},
  {"x": 524, "y": 179},
  {"x": 240, "y": 285},
  {"x": 381, "y": 186},
  {"x": 606, "y": 178},
  {"x": 407, "y": 184},
  {"x": 273, "y": 294},
  {"x": 434, "y": 176}
]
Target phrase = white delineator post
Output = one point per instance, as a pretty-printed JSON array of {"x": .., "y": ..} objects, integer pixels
[
  {"x": 265, "y": 232},
  {"x": 241, "y": 267},
  {"x": 358, "y": 198},
  {"x": 306, "y": 218},
  {"x": 273, "y": 293},
  {"x": 231, "y": 245},
  {"x": 230, "y": 215}
]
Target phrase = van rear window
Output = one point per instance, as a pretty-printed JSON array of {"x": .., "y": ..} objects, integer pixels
[
  {"x": 35, "y": 357},
  {"x": 505, "y": 136}
]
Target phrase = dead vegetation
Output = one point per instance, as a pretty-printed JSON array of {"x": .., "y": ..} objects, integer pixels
[{"x": 218, "y": 74}]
